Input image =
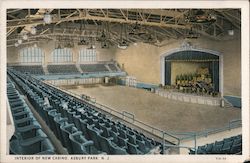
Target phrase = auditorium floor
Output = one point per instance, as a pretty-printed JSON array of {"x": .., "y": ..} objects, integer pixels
[{"x": 158, "y": 111}]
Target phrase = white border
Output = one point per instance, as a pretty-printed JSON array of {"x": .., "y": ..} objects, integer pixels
[{"x": 244, "y": 5}]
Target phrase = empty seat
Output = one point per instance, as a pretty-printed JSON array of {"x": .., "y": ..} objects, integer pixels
[
  {"x": 114, "y": 128},
  {"x": 37, "y": 145},
  {"x": 209, "y": 148},
  {"x": 66, "y": 131},
  {"x": 59, "y": 121},
  {"x": 139, "y": 137},
  {"x": 237, "y": 141},
  {"x": 44, "y": 112},
  {"x": 105, "y": 143},
  {"x": 51, "y": 116},
  {"x": 226, "y": 147},
  {"x": 16, "y": 103},
  {"x": 133, "y": 149},
  {"x": 122, "y": 142},
  {"x": 236, "y": 149},
  {"x": 96, "y": 122},
  {"x": 70, "y": 114},
  {"x": 131, "y": 138},
  {"x": 24, "y": 122},
  {"x": 114, "y": 135},
  {"x": 228, "y": 139},
  {"x": 30, "y": 131},
  {"x": 105, "y": 130},
  {"x": 18, "y": 109},
  {"x": 142, "y": 146},
  {"x": 23, "y": 114},
  {"x": 148, "y": 142},
  {"x": 80, "y": 144},
  {"x": 63, "y": 111},
  {"x": 94, "y": 135},
  {"x": 216, "y": 149},
  {"x": 201, "y": 149},
  {"x": 122, "y": 133},
  {"x": 83, "y": 125},
  {"x": 219, "y": 142},
  {"x": 76, "y": 121},
  {"x": 116, "y": 150}
]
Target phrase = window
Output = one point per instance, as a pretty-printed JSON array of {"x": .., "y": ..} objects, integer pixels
[
  {"x": 62, "y": 55},
  {"x": 87, "y": 55},
  {"x": 31, "y": 55}
]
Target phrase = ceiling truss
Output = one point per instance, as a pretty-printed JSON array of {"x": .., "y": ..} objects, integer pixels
[{"x": 160, "y": 23}]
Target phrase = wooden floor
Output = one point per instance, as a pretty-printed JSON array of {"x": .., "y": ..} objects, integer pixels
[{"x": 168, "y": 115}]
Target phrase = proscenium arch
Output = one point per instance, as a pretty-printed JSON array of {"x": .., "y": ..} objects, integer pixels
[{"x": 221, "y": 78}]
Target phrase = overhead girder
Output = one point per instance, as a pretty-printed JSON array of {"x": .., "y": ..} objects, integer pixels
[
  {"x": 166, "y": 19},
  {"x": 96, "y": 18}
]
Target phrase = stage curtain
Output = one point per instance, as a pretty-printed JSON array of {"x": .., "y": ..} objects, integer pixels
[
  {"x": 167, "y": 73},
  {"x": 216, "y": 75}
]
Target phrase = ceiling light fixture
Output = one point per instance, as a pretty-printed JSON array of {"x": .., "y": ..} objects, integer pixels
[
  {"x": 122, "y": 46},
  {"x": 25, "y": 37},
  {"x": 19, "y": 41},
  {"x": 213, "y": 17},
  {"x": 47, "y": 18},
  {"x": 92, "y": 47},
  {"x": 201, "y": 16},
  {"x": 16, "y": 44},
  {"x": 230, "y": 32},
  {"x": 33, "y": 30}
]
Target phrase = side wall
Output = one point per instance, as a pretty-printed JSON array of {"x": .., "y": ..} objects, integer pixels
[{"x": 12, "y": 56}]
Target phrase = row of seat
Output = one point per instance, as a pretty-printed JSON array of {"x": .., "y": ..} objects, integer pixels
[
  {"x": 28, "y": 137},
  {"x": 232, "y": 145},
  {"x": 62, "y": 69},
  {"x": 71, "y": 138},
  {"x": 113, "y": 67},
  {"x": 88, "y": 68},
  {"x": 35, "y": 69},
  {"x": 66, "y": 69},
  {"x": 83, "y": 123}
]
